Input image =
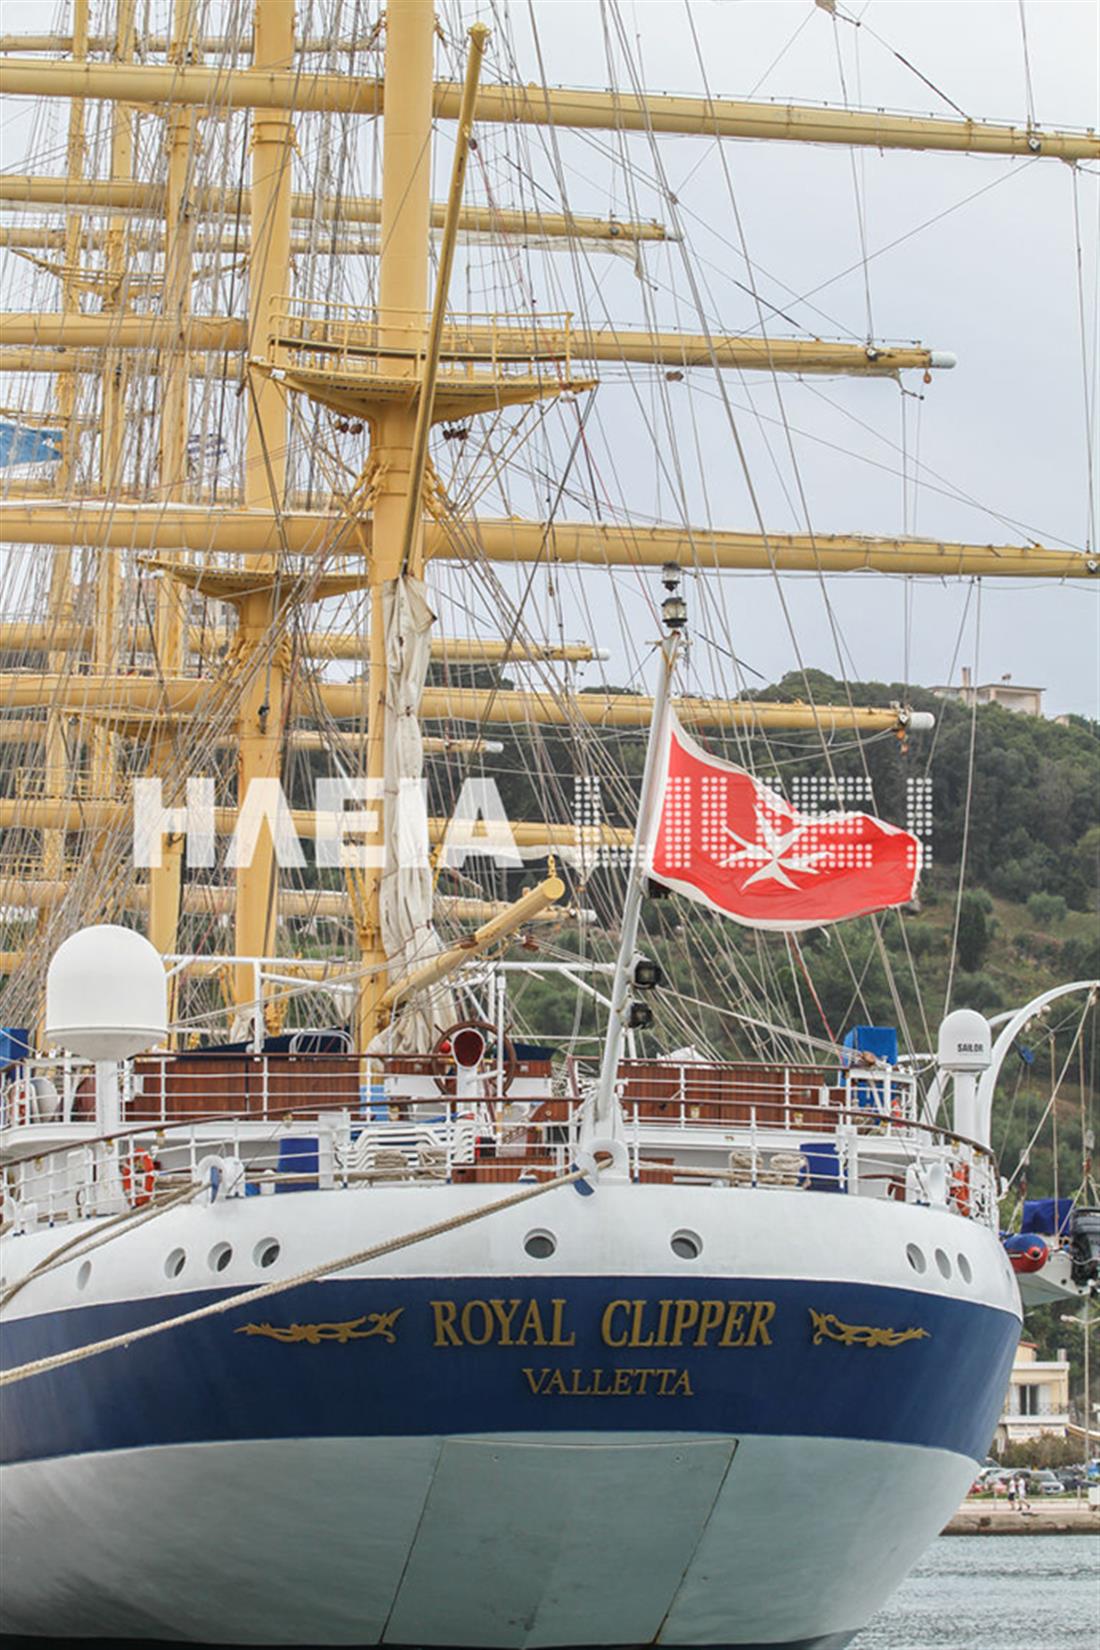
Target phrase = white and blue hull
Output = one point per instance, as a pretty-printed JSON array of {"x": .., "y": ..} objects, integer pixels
[{"x": 579, "y": 1471}]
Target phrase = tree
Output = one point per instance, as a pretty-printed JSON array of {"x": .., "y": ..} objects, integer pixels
[
  {"x": 975, "y": 930},
  {"x": 1047, "y": 909}
]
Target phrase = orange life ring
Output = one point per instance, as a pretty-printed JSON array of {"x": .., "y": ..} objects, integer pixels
[
  {"x": 960, "y": 1188},
  {"x": 139, "y": 1177}
]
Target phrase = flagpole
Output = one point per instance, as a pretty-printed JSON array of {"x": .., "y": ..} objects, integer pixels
[{"x": 606, "y": 1117}]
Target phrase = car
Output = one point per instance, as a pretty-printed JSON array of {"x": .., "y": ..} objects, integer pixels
[{"x": 1045, "y": 1482}]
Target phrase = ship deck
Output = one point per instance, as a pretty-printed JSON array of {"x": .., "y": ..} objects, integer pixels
[{"x": 304, "y": 1121}]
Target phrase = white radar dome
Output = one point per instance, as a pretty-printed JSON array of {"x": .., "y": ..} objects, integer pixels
[
  {"x": 964, "y": 1042},
  {"x": 106, "y": 995}
]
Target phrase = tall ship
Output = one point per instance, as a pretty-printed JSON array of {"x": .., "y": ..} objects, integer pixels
[{"x": 422, "y": 1224}]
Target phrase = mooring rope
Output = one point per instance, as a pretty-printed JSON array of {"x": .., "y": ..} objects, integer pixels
[
  {"x": 59, "y": 1360},
  {"x": 86, "y": 1241}
]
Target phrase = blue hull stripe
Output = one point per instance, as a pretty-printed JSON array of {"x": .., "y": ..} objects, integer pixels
[{"x": 378, "y": 1357}]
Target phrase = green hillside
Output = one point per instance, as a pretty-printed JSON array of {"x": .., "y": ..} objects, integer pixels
[
  {"x": 1028, "y": 912},
  {"x": 1027, "y": 918}
]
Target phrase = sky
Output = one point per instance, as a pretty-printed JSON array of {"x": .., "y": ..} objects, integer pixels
[
  {"x": 993, "y": 259},
  {"x": 993, "y": 278}
]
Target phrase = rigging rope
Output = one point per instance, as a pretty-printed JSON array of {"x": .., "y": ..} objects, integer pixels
[
  {"x": 311, "y": 1274},
  {"x": 1049, "y": 1107}
]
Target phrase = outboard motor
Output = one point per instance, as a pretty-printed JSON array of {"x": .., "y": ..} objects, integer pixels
[{"x": 1084, "y": 1246}]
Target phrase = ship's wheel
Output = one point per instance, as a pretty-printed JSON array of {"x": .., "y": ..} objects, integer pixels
[{"x": 469, "y": 1044}]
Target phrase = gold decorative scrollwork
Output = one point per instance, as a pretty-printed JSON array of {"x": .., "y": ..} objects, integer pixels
[
  {"x": 828, "y": 1327},
  {"x": 316, "y": 1334}
]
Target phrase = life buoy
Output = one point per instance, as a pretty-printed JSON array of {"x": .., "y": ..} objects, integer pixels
[
  {"x": 959, "y": 1194},
  {"x": 139, "y": 1177},
  {"x": 1026, "y": 1253}
]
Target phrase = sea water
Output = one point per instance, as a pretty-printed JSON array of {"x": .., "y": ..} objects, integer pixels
[{"x": 986, "y": 1592}]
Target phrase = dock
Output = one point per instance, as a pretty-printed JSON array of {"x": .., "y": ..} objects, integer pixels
[{"x": 1054, "y": 1517}]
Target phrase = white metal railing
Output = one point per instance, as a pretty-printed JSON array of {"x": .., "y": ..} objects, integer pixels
[
  {"x": 309, "y": 1123},
  {"x": 146, "y": 1165}
]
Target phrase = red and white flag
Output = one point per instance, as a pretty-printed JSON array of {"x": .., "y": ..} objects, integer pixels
[{"x": 722, "y": 838}]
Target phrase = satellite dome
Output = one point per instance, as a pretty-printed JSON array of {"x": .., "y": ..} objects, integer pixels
[
  {"x": 964, "y": 1042},
  {"x": 106, "y": 996}
]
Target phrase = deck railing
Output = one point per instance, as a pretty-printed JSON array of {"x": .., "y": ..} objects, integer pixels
[
  {"x": 283, "y": 1122},
  {"x": 341, "y": 338}
]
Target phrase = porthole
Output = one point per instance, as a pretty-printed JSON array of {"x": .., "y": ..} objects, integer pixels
[
  {"x": 686, "y": 1245},
  {"x": 219, "y": 1257},
  {"x": 943, "y": 1263},
  {"x": 83, "y": 1273},
  {"x": 966, "y": 1271},
  {"x": 915, "y": 1257},
  {"x": 266, "y": 1252},
  {"x": 175, "y": 1263},
  {"x": 540, "y": 1245}
]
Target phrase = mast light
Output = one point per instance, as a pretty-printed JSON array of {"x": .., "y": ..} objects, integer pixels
[
  {"x": 674, "y": 608},
  {"x": 674, "y": 612},
  {"x": 648, "y": 975}
]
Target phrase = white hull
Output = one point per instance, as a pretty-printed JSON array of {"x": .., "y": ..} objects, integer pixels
[
  {"x": 495, "y": 1542},
  {"x": 778, "y": 1502}
]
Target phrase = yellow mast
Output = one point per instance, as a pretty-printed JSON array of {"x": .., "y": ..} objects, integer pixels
[
  {"x": 122, "y": 166},
  {"x": 176, "y": 302},
  {"x": 70, "y": 279},
  {"x": 402, "y": 286},
  {"x": 140, "y": 697},
  {"x": 262, "y": 655},
  {"x": 211, "y": 899},
  {"x": 112, "y": 412},
  {"x": 398, "y": 538},
  {"x": 207, "y": 45},
  {"x": 708, "y": 117},
  {"x": 147, "y": 200},
  {"x": 317, "y": 644},
  {"x": 412, "y": 531},
  {"x": 534, "y": 903},
  {"x": 61, "y": 566},
  {"x": 220, "y": 333},
  {"x": 165, "y": 879},
  {"x": 251, "y": 534}
]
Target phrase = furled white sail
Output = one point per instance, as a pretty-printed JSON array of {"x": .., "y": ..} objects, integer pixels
[{"x": 406, "y": 897}]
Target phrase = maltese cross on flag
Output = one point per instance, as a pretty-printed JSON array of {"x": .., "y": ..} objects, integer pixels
[{"x": 726, "y": 840}]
